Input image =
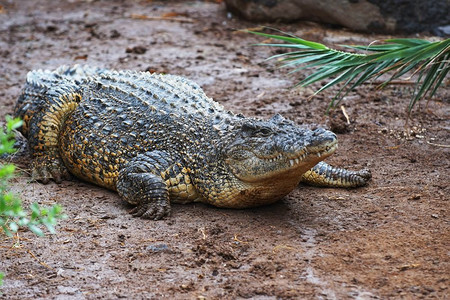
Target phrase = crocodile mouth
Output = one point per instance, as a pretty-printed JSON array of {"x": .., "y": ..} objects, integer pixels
[
  {"x": 281, "y": 165},
  {"x": 304, "y": 156}
]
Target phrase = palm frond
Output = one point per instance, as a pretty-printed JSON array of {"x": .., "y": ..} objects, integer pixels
[{"x": 429, "y": 60}]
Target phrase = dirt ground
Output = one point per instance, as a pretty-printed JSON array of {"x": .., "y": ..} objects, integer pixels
[{"x": 390, "y": 239}]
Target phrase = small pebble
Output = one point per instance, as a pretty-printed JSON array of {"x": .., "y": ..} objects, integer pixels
[{"x": 157, "y": 248}]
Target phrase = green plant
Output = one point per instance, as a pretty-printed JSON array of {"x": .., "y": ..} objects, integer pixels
[
  {"x": 12, "y": 214},
  {"x": 430, "y": 61}
]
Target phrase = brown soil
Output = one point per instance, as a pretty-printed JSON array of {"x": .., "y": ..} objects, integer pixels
[{"x": 387, "y": 240}]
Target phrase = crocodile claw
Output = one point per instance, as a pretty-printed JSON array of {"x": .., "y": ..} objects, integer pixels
[
  {"x": 154, "y": 210},
  {"x": 365, "y": 176}
]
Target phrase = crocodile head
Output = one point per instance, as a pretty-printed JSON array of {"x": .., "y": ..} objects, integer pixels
[{"x": 266, "y": 159}]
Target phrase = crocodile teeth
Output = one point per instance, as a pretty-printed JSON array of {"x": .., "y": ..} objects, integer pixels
[
  {"x": 296, "y": 161},
  {"x": 291, "y": 162}
]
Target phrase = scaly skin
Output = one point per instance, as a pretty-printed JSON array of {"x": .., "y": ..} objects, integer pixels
[{"x": 159, "y": 138}]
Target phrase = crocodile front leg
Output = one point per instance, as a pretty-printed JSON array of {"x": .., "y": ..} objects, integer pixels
[
  {"x": 325, "y": 175},
  {"x": 141, "y": 182}
]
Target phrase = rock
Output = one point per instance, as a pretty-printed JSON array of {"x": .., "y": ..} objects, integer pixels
[
  {"x": 136, "y": 50},
  {"x": 443, "y": 31},
  {"x": 360, "y": 15},
  {"x": 157, "y": 248}
]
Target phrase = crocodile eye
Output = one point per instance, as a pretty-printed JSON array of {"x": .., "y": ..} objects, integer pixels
[
  {"x": 255, "y": 130},
  {"x": 264, "y": 131}
]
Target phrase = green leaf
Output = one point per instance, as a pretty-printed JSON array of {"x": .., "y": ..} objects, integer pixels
[
  {"x": 35, "y": 211},
  {"x": 7, "y": 170},
  {"x": 321, "y": 74},
  {"x": 12, "y": 124},
  {"x": 328, "y": 61},
  {"x": 408, "y": 42},
  {"x": 375, "y": 48},
  {"x": 427, "y": 83},
  {"x": 400, "y": 56},
  {"x": 292, "y": 46},
  {"x": 36, "y": 230},
  {"x": 44, "y": 212},
  {"x": 309, "y": 58},
  {"x": 292, "y": 40},
  {"x": 56, "y": 210},
  {"x": 424, "y": 53},
  {"x": 13, "y": 226},
  {"x": 23, "y": 221},
  {"x": 6, "y": 231},
  {"x": 443, "y": 71}
]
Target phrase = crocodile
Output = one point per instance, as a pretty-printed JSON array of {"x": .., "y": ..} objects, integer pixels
[{"x": 157, "y": 139}]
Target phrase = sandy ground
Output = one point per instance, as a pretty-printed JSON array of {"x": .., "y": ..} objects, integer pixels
[{"x": 387, "y": 240}]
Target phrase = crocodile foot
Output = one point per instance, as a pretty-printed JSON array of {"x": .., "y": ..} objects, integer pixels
[
  {"x": 45, "y": 169},
  {"x": 325, "y": 175},
  {"x": 155, "y": 210},
  {"x": 365, "y": 175}
]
